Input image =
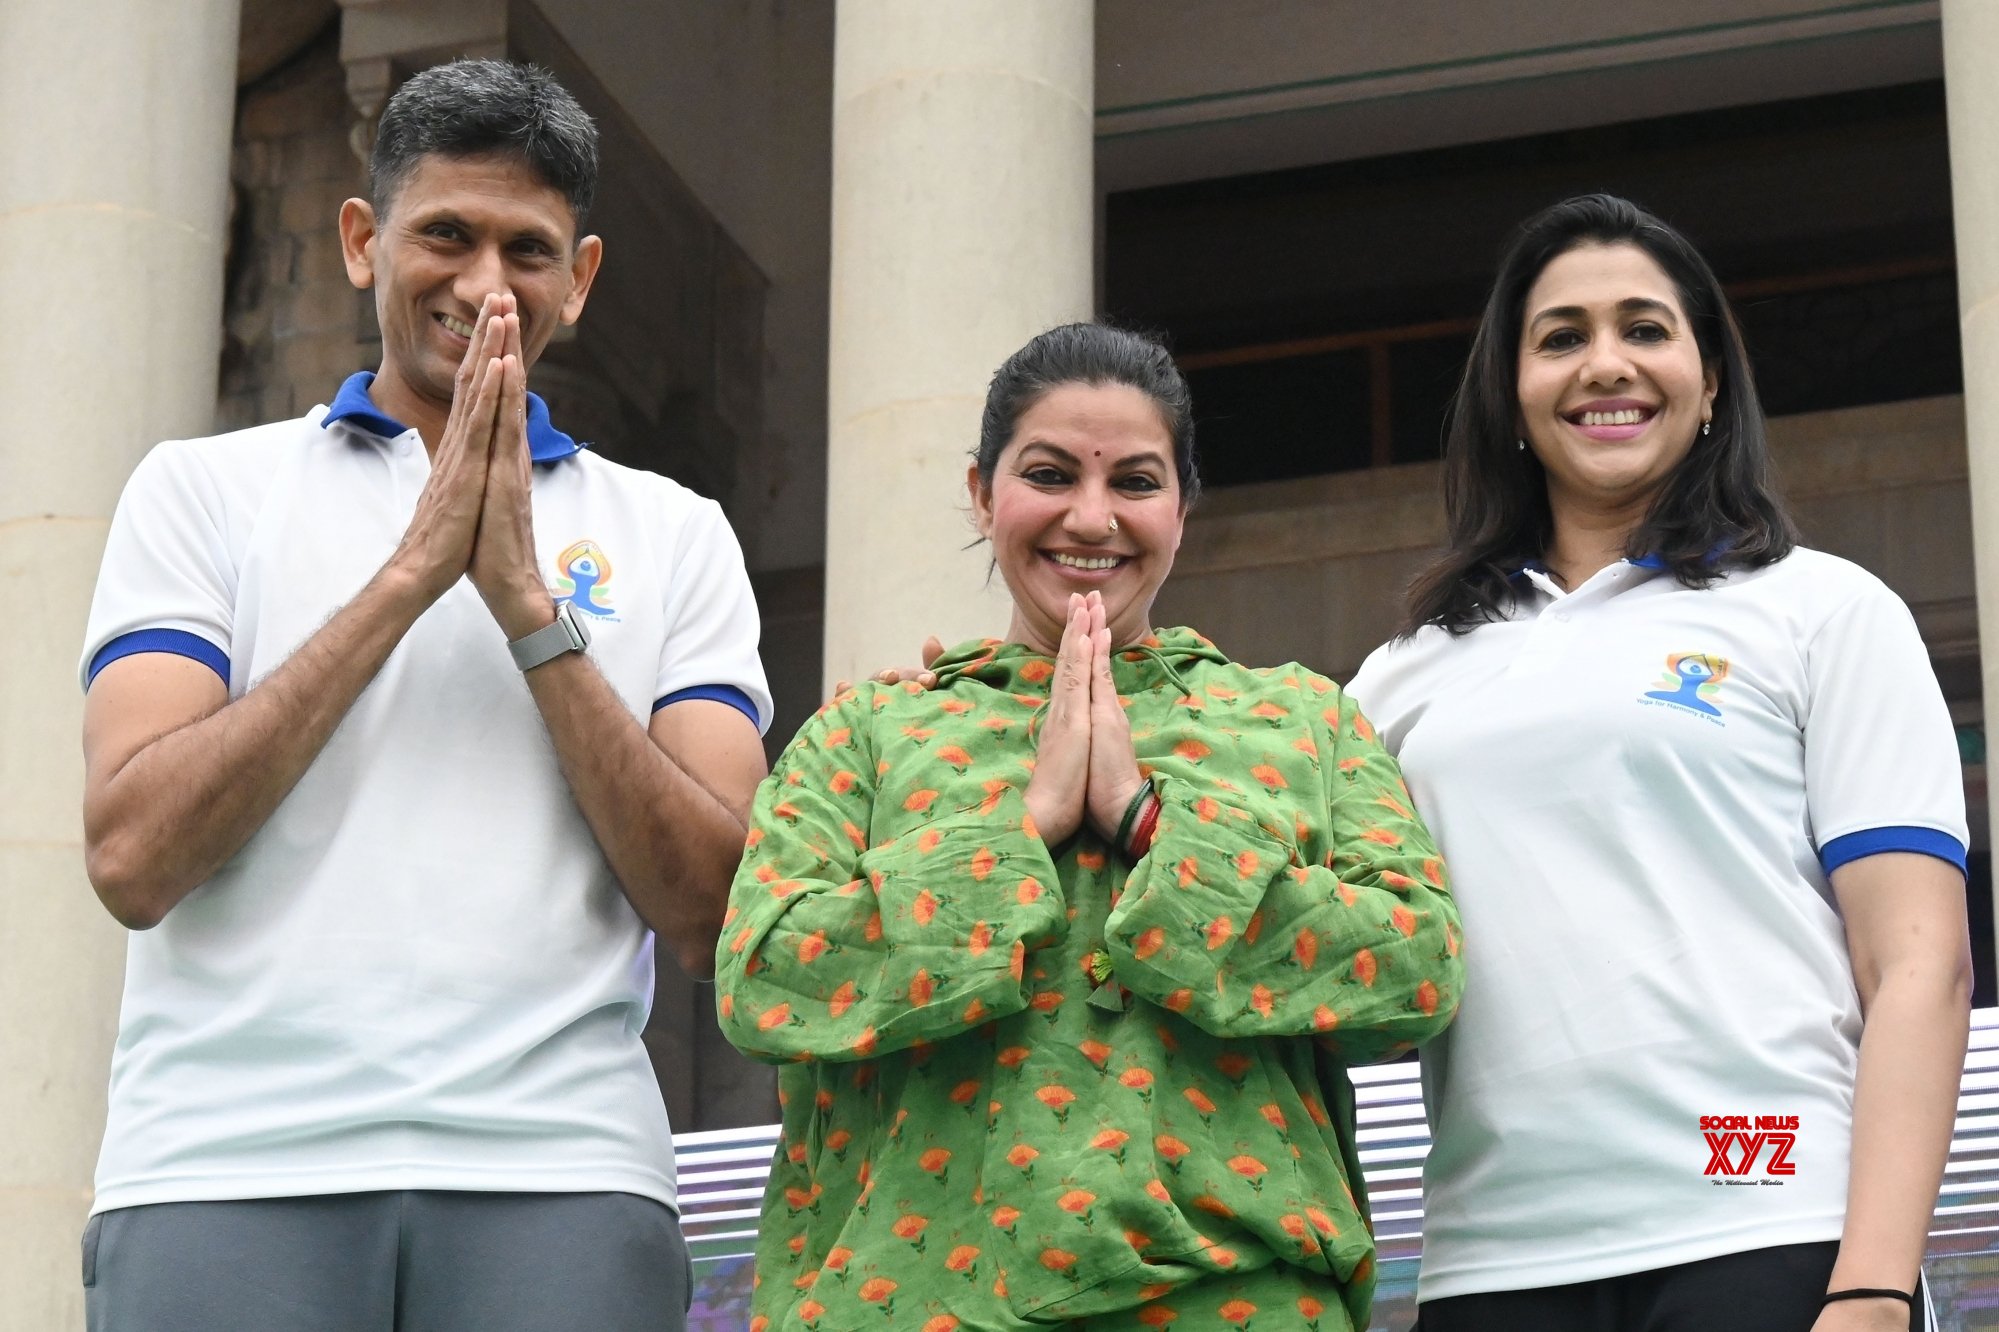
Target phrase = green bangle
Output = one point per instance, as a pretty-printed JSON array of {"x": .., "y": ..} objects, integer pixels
[{"x": 1131, "y": 814}]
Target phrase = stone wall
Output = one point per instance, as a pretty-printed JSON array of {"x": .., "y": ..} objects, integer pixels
[{"x": 293, "y": 326}]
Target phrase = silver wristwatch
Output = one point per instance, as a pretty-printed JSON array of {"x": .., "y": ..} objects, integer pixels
[{"x": 567, "y": 634}]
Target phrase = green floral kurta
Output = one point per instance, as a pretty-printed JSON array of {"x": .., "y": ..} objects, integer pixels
[{"x": 979, "y": 1134}]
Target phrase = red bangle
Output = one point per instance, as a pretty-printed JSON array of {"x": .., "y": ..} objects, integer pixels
[{"x": 1142, "y": 830}]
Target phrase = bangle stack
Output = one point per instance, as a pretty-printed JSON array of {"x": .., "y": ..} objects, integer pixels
[{"x": 1140, "y": 821}]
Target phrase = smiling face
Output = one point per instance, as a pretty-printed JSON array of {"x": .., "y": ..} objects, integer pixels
[
  {"x": 1611, "y": 387},
  {"x": 1080, "y": 456},
  {"x": 459, "y": 229}
]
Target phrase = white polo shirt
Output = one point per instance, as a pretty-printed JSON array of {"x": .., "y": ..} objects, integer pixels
[
  {"x": 420, "y": 972},
  {"x": 1639, "y": 791}
]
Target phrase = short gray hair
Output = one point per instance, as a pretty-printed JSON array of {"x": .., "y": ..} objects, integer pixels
[{"x": 470, "y": 108}]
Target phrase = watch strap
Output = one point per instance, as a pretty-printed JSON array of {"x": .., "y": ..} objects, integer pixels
[{"x": 564, "y": 634}]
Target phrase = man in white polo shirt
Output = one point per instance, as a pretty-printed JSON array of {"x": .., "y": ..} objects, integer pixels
[{"x": 410, "y": 726}]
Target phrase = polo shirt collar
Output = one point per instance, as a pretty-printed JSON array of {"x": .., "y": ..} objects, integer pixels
[{"x": 353, "y": 405}]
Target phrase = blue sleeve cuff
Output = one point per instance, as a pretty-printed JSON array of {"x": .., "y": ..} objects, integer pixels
[
  {"x": 729, "y": 694},
  {"x": 1873, "y": 841},
  {"x": 177, "y": 641}
]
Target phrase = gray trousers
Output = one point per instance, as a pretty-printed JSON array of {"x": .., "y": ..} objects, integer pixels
[{"x": 413, "y": 1261}]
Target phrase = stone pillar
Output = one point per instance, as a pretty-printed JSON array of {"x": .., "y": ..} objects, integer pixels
[
  {"x": 114, "y": 150},
  {"x": 962, "y": 195},
  {"x": 1970, "y": 45}
]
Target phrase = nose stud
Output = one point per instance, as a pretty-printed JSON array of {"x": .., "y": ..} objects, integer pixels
[{"x": 1113, "y": 522}]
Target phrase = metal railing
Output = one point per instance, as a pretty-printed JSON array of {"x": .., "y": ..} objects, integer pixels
[{"x": 722, "y": 1178}]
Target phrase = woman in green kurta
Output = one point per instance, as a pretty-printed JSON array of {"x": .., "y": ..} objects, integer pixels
[{"x": 1066, "y": 958}]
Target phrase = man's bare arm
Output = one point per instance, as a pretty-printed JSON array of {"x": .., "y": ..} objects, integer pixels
[
  {"x": 672, "y": 838},
  {"x": 177, "y": 778}
]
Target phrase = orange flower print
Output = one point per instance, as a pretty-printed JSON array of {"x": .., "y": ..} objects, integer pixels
[
  {"x": 921, "y": 988},
  {"x": 1199, "y": 1100},
  {"x": 1426, "y": 998},
  {"x": 1139, "y": 1080},
  {"x": 1006, "y": 1218},
  {"x": 836, "y": 1260},
  {"x": 1034, "y": 672},
  {"x": 1059, "y": 1260},
  {"x": 1324, "y": 1019},
  {"x": 1246, "y": 864},
  {"x": 982, "y": 863},
  {"x": 1213, "y": 1206},
  {"x": 964, "y": 1260},
  {"x": 1364, "y": 968},
  {"x": 1111, "y": 1140},
  {"x": 1261, "y": 999},
  {"x": 810, "y": 1312},
  {"x": 774, "y": 1016},
  {"x": 1234, "y": 1065},
  {"x": 1058, "y": 1099},
  {"x": 1309, "y": 1309},
  {"x": 1218, "y": 932},
  {"x": 924, "y": 908},
  {"x": 1095, "y": 1051},
  {"x": 1322, "y": 1223},
  {"x": 1306, "y": 948},
  {"x": 936, "y": 1161},
  {"x": 1274, "y": 1115},
  {"x": 1180, "y": 1000},
  {"x": 879, "y": 1290},
  {"x": 955, "y": 756},
  {"x": 965, "y": 1093},
  {"x": 1171, "y": 1150},
  {"x": 1076, "y": 1202},
  {"x": 1022, "y": 1158},
  {"x": 1192, "y": 750},
  {"x": 812, "y": 946},
  {"x": 1405, "y": 920},
  {"x": 1157, "y": 1191},
  {"x": 1156, "y": 1315},
  {"x": 980, "y": 940},
  {"x": 1238, "y": 1312},
  {"x": 1013, "y": 1056},
  {"x": 1250, "y": 1169},
  {"x": 1147, "y": 943},
  {"x": 1045, "y": 1002},
  {"x": 1269, "y": 776},
  {"x": 843, "y": 999},
  {"x": 911, "y": 1227},
  {"x": 942, "y": 1323}
]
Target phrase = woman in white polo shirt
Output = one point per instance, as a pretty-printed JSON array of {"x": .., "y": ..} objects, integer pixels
[{"x": 1700, "y": 796}]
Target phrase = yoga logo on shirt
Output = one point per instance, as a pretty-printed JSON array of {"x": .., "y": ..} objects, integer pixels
[
  {"x": 584, "y": 579},
  {"x": 1692, "y": 682},
  {"x": 1737, "y": 1144}
]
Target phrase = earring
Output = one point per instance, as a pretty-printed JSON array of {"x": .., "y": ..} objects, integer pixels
[
  {"x": 1706, "y": 427},
  {"x": 1113, "y": 522},
  {"x": 1521, "y": 444}
]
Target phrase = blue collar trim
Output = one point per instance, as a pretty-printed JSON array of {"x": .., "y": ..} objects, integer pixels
[
  {"x": 353, "y": 405},
  {"x": 1642, "y": 562}
]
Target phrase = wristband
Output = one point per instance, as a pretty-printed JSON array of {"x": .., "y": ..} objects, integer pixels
[
  {"x": 1131, "y": 812},
  {"x": 1141, "y": 833},
  {"x": 1871, "y": 1293}
]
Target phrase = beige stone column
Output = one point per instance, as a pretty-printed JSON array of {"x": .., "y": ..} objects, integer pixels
[
  {"x": 1971, "y": 53},
  {"x": 114, "y": 150},
  {"x": 962, "y": 196}
]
